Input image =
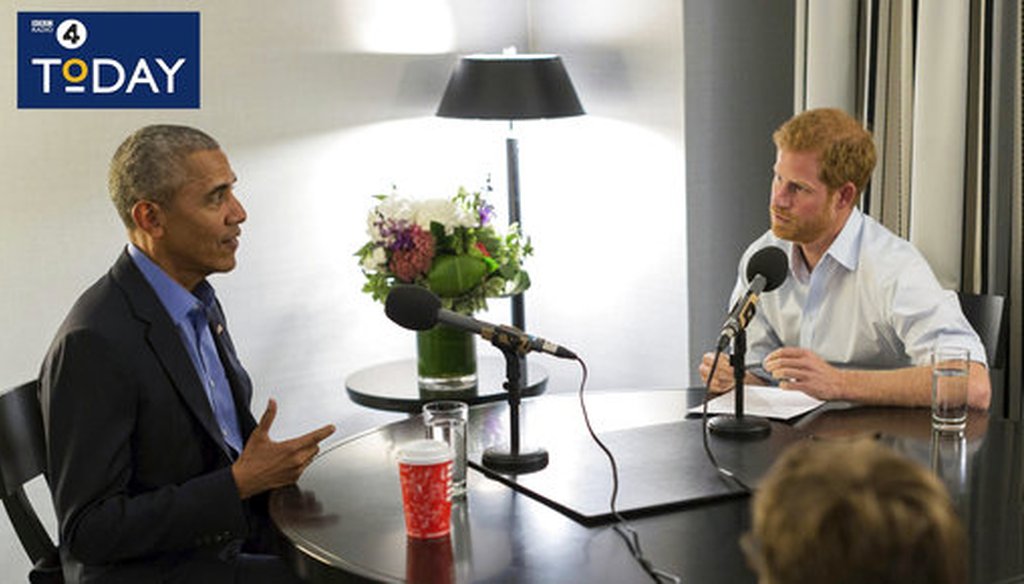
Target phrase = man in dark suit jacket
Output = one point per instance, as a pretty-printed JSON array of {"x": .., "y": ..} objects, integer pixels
[{"x": 158, "y": 469}]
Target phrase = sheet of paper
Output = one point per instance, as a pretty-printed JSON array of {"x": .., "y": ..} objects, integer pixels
[{"x": 767, "y": 402}]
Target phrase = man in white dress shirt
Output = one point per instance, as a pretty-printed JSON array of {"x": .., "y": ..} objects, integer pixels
[{"x": 860, "y": 310}]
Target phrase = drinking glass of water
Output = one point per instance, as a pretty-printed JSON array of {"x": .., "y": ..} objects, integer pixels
[
  {"x": 446, "y": 421},
  {"x": 949, "y": 388}
]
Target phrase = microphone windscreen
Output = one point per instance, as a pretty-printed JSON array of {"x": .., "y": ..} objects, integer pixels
[
  {"x": 412, "y": 307},
  {"x": 770, "y": 262}
]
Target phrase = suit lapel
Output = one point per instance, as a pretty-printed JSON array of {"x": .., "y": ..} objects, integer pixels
[{"x": 166, "y": 343}]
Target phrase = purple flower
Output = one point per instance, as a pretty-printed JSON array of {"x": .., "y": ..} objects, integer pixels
[
  {"x": 486, "y": 212},
  {"x": 397, "y": 234}
]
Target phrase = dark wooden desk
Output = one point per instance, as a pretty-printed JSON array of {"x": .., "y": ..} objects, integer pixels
[
  {"x": 392, "y": 386},
  {"x": 343, "y": 521}
]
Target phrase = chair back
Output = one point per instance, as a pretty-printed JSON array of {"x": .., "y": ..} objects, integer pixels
[
  {"x": 23, "y": 458},
  {"x": 987, "y": 314}
]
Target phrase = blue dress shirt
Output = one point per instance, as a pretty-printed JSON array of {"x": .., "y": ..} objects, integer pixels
[{"x": 193, "y": 315}]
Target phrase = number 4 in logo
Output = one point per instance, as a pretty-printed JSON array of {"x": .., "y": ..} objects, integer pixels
[{"x": 71, "y": 33}]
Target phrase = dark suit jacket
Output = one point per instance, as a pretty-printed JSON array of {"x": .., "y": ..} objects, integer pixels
[{"x": 139, "y": 471}]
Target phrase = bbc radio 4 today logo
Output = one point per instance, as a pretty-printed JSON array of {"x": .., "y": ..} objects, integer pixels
[{"x": 108, "y": 60}]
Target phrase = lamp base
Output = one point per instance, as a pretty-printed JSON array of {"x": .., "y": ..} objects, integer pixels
[
  {"x": 504, "y": 461},
  {"x": 742, "y": 427}
]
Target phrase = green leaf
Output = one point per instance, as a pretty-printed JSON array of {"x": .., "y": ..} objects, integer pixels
[
  {"x": 491, "y": 264},
  {"x": 437, "y": 230},
  {"x": 519, "y": 284},
  {"x": 455, "y": 275},
  {"x": 366, "y": 249}
]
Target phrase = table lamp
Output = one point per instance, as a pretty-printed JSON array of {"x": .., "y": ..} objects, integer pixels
[{"x": 510, "y": 86}]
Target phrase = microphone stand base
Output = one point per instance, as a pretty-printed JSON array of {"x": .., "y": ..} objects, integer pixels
[
  {"x": 504, "y": 461},
  {"x": 744, "y": 427}
]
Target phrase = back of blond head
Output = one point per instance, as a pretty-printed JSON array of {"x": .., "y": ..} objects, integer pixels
[{"x": 855, "y": 512}]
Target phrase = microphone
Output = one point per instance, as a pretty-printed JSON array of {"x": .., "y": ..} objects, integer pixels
[
  {"x": 419, "y": 309},
  {"x": 766, "y": 271}
]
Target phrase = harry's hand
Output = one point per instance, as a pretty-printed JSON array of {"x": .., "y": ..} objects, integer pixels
[
  {"x": 723, "y": 380},
  {"x": 265, "y": 464},
  {"x": 804, "y": 370}
]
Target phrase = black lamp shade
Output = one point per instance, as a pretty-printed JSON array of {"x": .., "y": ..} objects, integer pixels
[{"x": 509, "y": 87}]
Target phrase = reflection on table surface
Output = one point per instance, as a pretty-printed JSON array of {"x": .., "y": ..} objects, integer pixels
[
  {"x": 344, "y": 518},
  {"x": 393, "y": 386}
]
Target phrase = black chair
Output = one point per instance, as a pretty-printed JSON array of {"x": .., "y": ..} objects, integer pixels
[
  {"x": 23, "y": 458},
  {"x": 987, "y": 314}
]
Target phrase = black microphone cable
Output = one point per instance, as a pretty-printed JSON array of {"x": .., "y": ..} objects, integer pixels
[
  {"x": 722, "y": 471},
  {"x": 771, "y": 264},
  {"x": 621, "y": 527}
]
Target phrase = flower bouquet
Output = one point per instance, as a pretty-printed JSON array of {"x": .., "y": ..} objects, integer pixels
[{"x": 452, "y": 248}]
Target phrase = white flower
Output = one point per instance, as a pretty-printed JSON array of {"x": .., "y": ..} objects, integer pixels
[
  {"x": 421, "y": 212},
  {"x": 389, "y": 209},
  {"x": 443, "y": 211},
  {"x": 376, "y": 260}
]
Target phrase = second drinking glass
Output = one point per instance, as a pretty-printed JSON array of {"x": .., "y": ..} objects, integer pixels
[{"x": 446, "y": 421}]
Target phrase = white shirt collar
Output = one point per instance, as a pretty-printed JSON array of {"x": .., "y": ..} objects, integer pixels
[{"x": 846, "y": 247}]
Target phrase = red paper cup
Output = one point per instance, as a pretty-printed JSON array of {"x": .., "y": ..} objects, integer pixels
[{"x": 425, "y": 469}]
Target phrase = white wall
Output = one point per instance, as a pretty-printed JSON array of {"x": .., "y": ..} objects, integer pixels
[{"x": 317, "y": 112}]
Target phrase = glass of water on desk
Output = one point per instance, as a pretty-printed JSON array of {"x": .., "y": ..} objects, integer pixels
[
  {"x": 446, "y": 421},
  {"x": 950, "y": 366}
]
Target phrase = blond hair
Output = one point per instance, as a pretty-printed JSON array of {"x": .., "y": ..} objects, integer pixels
[{"x": 854, "y": 512}]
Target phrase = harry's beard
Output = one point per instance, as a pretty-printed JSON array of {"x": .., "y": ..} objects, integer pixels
[{"x": 800, "y": 230}]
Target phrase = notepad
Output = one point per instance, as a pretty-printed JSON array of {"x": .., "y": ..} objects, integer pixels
[{"x": 767, "y": 402}]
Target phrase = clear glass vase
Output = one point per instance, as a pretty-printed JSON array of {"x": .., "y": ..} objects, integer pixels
[{"x": 446, "y": 359}]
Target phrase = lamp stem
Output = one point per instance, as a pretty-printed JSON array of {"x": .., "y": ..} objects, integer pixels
[
  {"x": 512, "y": 156},
  {"x": 518, "y": 306}
]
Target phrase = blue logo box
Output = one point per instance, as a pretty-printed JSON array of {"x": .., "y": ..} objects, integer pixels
[{"x": 75, "y": 60}]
